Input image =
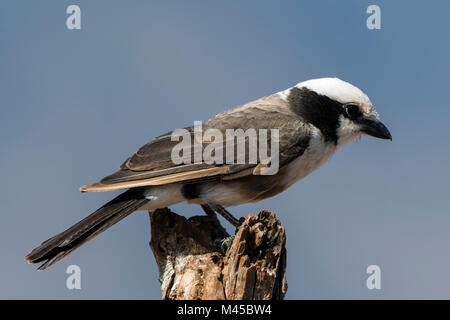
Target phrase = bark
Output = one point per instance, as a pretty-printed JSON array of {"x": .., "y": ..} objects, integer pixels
[{"x": 197, "y": 259}]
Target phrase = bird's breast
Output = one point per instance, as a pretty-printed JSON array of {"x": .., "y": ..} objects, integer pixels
[{"x": 317, "y": 153}]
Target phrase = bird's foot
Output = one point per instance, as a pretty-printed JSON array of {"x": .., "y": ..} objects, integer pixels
[
  {"x": 211, "y": 208},
  {"x": 225, "y": 243}
]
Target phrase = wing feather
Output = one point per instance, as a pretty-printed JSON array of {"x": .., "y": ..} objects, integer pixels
[
  {"x": 152, "y": 164},
  {"x": 177, "y": 177}
]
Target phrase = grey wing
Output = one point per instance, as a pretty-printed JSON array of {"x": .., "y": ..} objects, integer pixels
[{"x": 152, "y": 163}]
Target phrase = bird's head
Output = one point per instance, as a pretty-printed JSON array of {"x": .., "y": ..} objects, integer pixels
[{"x": 341, "y": 111}]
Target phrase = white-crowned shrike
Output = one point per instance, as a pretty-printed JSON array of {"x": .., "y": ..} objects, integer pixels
[{"x": 314, "y": 119}]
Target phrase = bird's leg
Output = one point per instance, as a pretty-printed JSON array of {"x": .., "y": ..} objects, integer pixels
[
  {"x": 224, "y": 213},
  {"x": 208, "y": 210}
]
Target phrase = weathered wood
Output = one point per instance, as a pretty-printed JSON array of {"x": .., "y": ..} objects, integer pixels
[{"x": 195, "y": 262}]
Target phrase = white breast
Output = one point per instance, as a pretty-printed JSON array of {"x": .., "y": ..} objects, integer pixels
[{"x": 317, "y": 153}]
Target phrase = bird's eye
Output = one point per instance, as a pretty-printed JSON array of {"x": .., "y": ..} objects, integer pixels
[{"x": 352, "y": 111}]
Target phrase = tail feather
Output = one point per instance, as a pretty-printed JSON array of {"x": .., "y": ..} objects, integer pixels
[{"x": 59, "y": 246}]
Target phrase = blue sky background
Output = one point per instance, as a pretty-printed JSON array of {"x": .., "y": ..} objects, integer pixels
[{"x": 75, "y": 104}]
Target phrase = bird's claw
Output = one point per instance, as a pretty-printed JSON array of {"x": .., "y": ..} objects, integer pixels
[{"x": 225, "y": 243}]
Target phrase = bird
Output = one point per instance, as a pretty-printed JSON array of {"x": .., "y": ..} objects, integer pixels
[{"x": 314, "y": 119}]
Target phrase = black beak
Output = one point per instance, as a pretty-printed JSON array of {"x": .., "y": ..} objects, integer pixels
[{"x": 375, "y": 129}]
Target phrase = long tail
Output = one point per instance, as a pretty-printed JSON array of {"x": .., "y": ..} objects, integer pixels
[{"x": 59, "y": 246}]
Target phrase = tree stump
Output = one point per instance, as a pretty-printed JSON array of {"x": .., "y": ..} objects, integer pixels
[{"x": 198, "y": 260}]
